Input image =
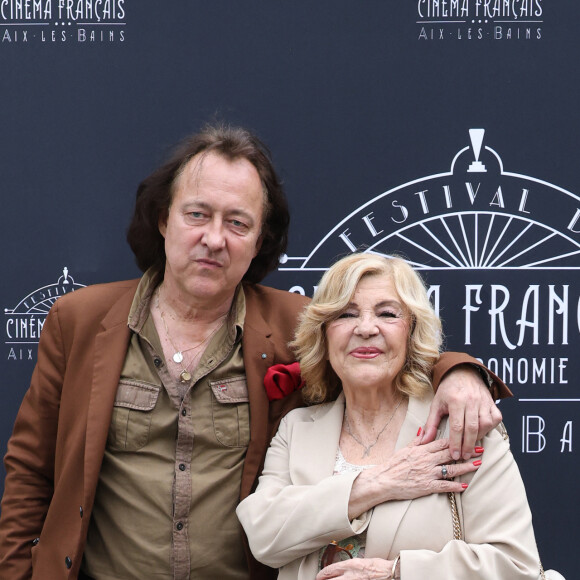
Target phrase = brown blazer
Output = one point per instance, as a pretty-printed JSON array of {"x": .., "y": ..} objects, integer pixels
[{"x": 55, "y": 452}]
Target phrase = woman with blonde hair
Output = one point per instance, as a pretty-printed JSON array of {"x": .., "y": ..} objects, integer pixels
[{"x": 347, "y": 491}]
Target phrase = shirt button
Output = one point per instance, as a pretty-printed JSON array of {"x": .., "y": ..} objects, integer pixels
[
  {"x": 68, "y": 562},
  {"x": 179, "y": 526},
  {"x": 157, "y": 362},
  {"x": 182, "y": 467},
  {"x": 183, "y": 412}
]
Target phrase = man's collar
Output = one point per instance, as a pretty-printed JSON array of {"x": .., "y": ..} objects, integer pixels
[{"x": 142, "y": 301}]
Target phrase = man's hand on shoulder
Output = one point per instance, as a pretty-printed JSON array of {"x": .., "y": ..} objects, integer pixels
[{"x": 464, "y": 396}]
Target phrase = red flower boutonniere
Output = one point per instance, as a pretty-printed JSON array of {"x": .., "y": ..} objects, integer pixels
[{"x": 281, "y": 380}]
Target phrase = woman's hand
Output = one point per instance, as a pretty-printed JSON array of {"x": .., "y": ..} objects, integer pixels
[
  {"x": 413, "y": 471},
  {"x": 358, "y": 569}
]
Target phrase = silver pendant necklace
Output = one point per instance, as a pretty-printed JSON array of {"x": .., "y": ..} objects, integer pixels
[
  {"x": 367, "y": 448},
  {"x": 178, "y": 358}
]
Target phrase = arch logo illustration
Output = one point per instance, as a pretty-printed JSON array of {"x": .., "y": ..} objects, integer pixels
[
  {"x": 475, "y": 216},
  {"x": 24, "y": 322}
]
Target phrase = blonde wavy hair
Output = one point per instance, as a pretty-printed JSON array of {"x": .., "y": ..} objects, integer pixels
[{"x": 331, "y": 299}]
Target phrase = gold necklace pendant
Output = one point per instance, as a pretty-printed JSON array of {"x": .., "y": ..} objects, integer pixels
[{"x": 178, "y": 357}]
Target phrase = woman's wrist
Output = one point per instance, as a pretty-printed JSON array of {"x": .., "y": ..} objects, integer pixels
[
  {"x": 396, "y": 569},
  {"x": 366, "y": 493}
]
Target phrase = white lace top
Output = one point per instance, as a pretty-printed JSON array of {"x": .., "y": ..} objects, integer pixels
[{"x": 343, "y": 466}]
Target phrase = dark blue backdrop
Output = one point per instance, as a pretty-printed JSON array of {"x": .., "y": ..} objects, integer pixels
[{"x": 354, "y": 99}]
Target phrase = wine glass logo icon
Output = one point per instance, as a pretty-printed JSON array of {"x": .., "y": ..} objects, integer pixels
[{"x": 476, "y": 136}]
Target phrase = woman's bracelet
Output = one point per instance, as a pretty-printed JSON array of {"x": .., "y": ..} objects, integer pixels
[{"x": 394, "y": 569}]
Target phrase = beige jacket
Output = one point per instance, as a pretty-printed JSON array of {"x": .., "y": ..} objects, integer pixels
[{"x": 299, "y": 506}]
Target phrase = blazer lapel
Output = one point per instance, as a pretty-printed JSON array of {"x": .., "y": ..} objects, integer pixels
[
  {"x": 258, "y": 356},
  {"x": 314, "y": 444},
  {"x": 109, "y": 354},
  {"x": 387, "y": 516}
]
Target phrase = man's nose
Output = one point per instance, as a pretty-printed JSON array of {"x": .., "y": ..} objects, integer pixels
[{"x": 214, "y": 235}]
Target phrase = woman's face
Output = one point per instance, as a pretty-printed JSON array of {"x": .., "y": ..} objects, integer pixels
[{"x": 367, "y": 343}]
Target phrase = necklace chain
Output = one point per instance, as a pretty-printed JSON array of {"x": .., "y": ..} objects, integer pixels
[
  {"x": 178, "y": 358},
  {"x": 367, "y": 448}
]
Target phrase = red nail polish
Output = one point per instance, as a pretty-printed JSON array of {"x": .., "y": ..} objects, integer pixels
[
  {"x": 479, "y": 449},
  {"x": 464, "y": 485},
  {"x": 419, "y": 432},
  {"x": 477, "y": 463}
]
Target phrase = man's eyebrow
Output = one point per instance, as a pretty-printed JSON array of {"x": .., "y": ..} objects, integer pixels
[
  {"x": 230, "y": 212},
  {"x": 196, "y": 203}
]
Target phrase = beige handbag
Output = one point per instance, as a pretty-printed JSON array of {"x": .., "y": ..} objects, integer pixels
[{"x": 458, "y": 535}]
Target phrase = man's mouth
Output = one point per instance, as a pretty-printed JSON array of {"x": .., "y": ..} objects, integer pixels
[{"x": 208, "y": 263}]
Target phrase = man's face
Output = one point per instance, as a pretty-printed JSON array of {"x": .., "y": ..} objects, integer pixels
[{"x": 212, "y": 231}]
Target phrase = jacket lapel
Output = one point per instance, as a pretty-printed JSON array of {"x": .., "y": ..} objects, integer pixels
[
  {"x": 258, "y": 353},
  {"x": 314, "y": 444},
  {"x": 109, "y": 355},
  {"x": 387, "y": 516}
]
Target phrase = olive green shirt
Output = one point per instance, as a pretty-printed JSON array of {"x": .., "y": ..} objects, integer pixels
[{"x": 170, "y": 479}]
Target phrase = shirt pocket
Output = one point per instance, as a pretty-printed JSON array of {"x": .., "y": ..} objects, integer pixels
[
  {"x": 231, "y": 411},
  {"x": 132, "y": 414}
]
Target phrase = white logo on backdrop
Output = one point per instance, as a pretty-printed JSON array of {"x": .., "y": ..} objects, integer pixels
[
  {"x": 62, "y": 21},
  {"x": 472, "y": 20},
  {"x": 24, "y": 322},
  {"x": 475, "y": 216}
]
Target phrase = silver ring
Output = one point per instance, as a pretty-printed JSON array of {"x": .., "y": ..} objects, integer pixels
[{"x": 444, "y": 471}]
